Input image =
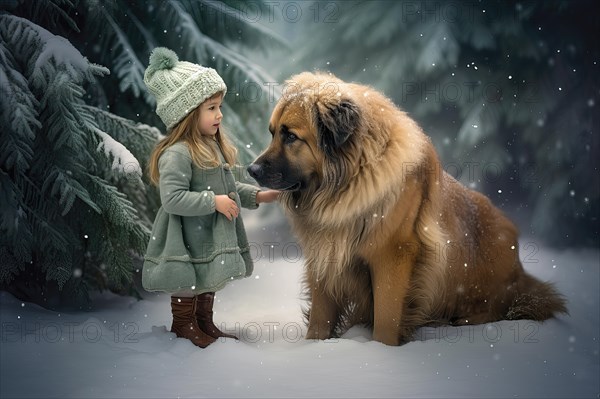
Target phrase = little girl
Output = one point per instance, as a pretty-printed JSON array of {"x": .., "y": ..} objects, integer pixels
[{"x": 198, "y": 240}]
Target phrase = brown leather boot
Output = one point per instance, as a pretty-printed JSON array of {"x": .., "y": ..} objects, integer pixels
[
  {"x": 204, "y": 315},
  {"x": 185, "y": 324}
]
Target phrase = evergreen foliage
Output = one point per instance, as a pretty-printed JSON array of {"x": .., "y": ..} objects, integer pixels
[
  {"x": 61, "y": 217},
  {"x": 122, "y": 33},
  {"x": 76, "y": 208},
  {"x": 509, "y": 91}
]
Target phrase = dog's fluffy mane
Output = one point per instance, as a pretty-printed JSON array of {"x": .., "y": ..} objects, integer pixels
[{"x": 372, "y": 165}]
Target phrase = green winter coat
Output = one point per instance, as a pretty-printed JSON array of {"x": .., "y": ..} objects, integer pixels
[{"x": 194, "y": 247}]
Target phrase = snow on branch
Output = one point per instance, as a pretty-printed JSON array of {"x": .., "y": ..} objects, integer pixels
[
  {"x": 123, "y": 160},
  {"x": 24, "y": 35},
  {"x": 62, "y": 52}
]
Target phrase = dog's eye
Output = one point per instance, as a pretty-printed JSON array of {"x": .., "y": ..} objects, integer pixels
[{"x": 290, "y": 138}]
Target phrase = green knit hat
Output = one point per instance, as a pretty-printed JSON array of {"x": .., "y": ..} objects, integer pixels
[{"x": 179, "y": 86}]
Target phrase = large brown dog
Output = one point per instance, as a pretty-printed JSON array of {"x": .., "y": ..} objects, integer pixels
[{"x": 390, "y": 239}]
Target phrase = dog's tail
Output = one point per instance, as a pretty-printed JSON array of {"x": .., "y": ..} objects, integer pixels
[{"x": 535, "y": 300}]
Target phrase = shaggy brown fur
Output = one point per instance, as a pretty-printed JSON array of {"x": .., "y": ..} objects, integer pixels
[{"x": 390, "y": 239}]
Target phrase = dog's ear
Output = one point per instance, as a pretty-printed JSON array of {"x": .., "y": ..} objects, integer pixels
[{"x": 335, "y": 124}]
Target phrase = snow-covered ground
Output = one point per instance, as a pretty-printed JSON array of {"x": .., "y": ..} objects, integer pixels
[{"x": 123, "y": 349}]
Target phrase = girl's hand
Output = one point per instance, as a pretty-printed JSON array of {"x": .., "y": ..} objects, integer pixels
[
  {"x": 267, "y": 196},
  {"x": 226, "y": 206}
]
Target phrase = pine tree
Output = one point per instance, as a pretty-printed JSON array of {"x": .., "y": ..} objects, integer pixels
[
  {"x": 76, "y": 208},
  {"x": 61, "y": 215},
  {"x": 507, "y": 90}
]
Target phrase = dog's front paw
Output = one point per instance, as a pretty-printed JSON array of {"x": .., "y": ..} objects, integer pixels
[
  {"x": 391, "y": 338},
  {"x": 318, "y": 333}
]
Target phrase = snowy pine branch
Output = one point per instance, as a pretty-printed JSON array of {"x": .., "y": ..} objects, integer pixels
[
  {"x": 68, "y": 219},
  {"x": 123, "y": 161},
  {"x": 52, "y": 161},
  {"x": 138, "y": 138},
  {"x": 34, "y": 45}
]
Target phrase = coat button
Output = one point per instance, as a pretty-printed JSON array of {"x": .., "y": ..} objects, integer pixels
[
  {"x": 232, "y": 195},
  {"x": 226, "y": 166}
]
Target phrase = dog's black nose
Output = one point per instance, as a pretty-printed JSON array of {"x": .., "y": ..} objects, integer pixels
[{"x": 255, "y": 171}]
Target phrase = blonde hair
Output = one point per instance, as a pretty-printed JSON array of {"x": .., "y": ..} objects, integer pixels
[{"x": 203, "y": 149}]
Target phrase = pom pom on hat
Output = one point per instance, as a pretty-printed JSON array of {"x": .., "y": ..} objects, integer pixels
[
  {"x": 179, "y": 86},
  {"x": 162, "y": 58}
]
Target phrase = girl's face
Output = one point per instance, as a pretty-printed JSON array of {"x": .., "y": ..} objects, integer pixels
[{"x": 210, "y": 115}]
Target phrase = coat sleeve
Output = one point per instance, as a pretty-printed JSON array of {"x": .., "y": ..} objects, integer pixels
[
  {"x": 175, "y": 170},
  {"x": 247, "y": 193}
]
